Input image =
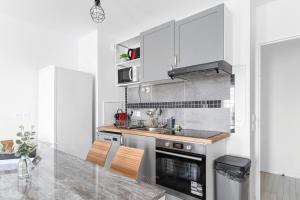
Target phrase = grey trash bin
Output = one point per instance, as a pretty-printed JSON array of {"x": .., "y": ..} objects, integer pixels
[{"x": 232, "y": 178}]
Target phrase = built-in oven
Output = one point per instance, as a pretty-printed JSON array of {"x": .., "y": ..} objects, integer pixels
[
  {"x": 128, "y": 75},
  {"x": 181, "y": 168}
]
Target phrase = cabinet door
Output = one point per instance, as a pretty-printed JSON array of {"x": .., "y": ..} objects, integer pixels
[
  {"x": 147, "y": 171},
  {"x": 200, "y": 38},
  {"x": 157, "y": 51}
]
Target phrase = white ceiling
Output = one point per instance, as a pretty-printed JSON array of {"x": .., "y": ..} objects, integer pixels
[
  {"x": 128, "y": 18},
  {"x": 69, "y": 16},
  {"x": 262, "y": 2},
  {"x": 72, "y": 16}
]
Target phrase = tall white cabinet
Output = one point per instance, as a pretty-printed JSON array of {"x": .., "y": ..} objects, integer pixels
[{"x": 65, "y": 109}]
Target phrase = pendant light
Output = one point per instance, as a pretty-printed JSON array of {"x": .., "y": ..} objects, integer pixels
[{"x": 97, "y": 12}]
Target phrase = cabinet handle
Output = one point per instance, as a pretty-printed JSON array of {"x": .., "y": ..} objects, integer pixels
[
  {"x": 175, "y": 60},
  {"x": 130, "y": 74}
]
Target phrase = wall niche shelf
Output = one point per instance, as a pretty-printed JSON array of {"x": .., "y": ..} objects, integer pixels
[
  {"x": 129, "y": 63},
  {"x": 122, "y": 48}
]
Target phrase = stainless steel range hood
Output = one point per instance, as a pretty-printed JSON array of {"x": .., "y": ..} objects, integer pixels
[{"x": 220, "y": 66}]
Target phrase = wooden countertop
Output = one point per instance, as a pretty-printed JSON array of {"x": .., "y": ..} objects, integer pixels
[{"x": 210, "y": 140}]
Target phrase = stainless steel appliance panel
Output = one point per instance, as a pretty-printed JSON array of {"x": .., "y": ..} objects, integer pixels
[
  {"x": 147, "y": 172},
  {"x": 128, "y": 75},
  {"x": 116, "y": 140},
  {"x": 196, "y": 148},
  {"x": 181, "y": 167}
]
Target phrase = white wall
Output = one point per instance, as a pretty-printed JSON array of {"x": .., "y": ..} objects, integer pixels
[
  {"x": 88, "y": 53},
  {"x": 46, "y": 105},
  {"x": 25, "y": 48},
  {"x": 254, "y": 140},
  {"x": 239, "y": 143},
  {"x": 88, "y": 62},
  {"x": 277, "y": 19},
  {"x": 107, "y": 81},
  {"x": 280, "y": 111}
]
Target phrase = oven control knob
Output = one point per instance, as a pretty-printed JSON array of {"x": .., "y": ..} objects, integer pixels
[
  {"x": 189, "y": 147},
  {"x": 167, "y": 144}
]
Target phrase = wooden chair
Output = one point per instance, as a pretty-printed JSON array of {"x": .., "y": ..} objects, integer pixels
[
  {"x": 127, "y": 161},
  {"x": 98, "y": 152},
  {"x": 8, "y": 145}
]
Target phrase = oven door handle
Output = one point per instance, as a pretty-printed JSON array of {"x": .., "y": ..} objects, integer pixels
[{"x": 178, "y": 155}]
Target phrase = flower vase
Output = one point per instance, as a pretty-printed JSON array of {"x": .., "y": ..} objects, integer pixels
[{"x": 24, "y": 169}]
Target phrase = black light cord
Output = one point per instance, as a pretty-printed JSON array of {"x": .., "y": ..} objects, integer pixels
[{"x": 140, "y": 93}]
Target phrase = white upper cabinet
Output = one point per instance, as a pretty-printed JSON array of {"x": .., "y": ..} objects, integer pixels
[
  {"x": 200, "y": 38},
  {"x": 157, "y": 52}
]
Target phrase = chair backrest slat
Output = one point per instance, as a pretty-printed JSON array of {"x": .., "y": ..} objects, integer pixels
[
  {"x": 8, "y": 145},
  {"x": 98, "y": 152},
  {"x": 127, "y": 161}
]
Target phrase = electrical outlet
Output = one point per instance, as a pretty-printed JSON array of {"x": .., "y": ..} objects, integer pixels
[
  {"x": 138, "y": 113},
  {"x": 147, "y": 89},
  {"x": 19, "y": 116},
  {"x": 27, "y": 116}
]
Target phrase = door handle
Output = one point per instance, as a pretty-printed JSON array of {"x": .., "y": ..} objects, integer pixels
[
  {"x": 179, "y": 155},
  {"x": 122, "y": 140},
  {"x": 175, "y": 61}
]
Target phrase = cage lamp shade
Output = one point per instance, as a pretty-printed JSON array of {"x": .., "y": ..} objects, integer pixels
[{"x": 97, "y": 12}]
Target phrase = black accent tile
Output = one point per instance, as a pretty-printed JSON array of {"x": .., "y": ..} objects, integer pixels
[{"x": 178, "y": 104}]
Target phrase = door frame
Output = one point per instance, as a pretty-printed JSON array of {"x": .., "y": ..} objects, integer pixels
[{"x": 258, "y": 67}]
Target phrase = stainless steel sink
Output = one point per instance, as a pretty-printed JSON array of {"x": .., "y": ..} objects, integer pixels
[
  {"x": 150, "y": 129},
  {"x": 160, "y": 130}
]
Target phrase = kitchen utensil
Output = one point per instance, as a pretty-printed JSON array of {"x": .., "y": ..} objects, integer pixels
[
  {"x": 170, "y": 123},
  {"x": 134, "y": 53},
  {"x": 121, "y": 119}
]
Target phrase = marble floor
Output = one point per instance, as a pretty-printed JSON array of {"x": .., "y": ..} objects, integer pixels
[
  {"x": 277, "y": 187},
  {"x": 170, "y": 197}
]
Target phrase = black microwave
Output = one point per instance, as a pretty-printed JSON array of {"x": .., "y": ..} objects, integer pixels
[{"x": 128, "y": 75}]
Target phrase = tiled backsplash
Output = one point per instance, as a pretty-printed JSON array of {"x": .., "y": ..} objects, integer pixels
[
  {"x": 178, "y": 104},
  {"x": 199, "y": 103}
]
